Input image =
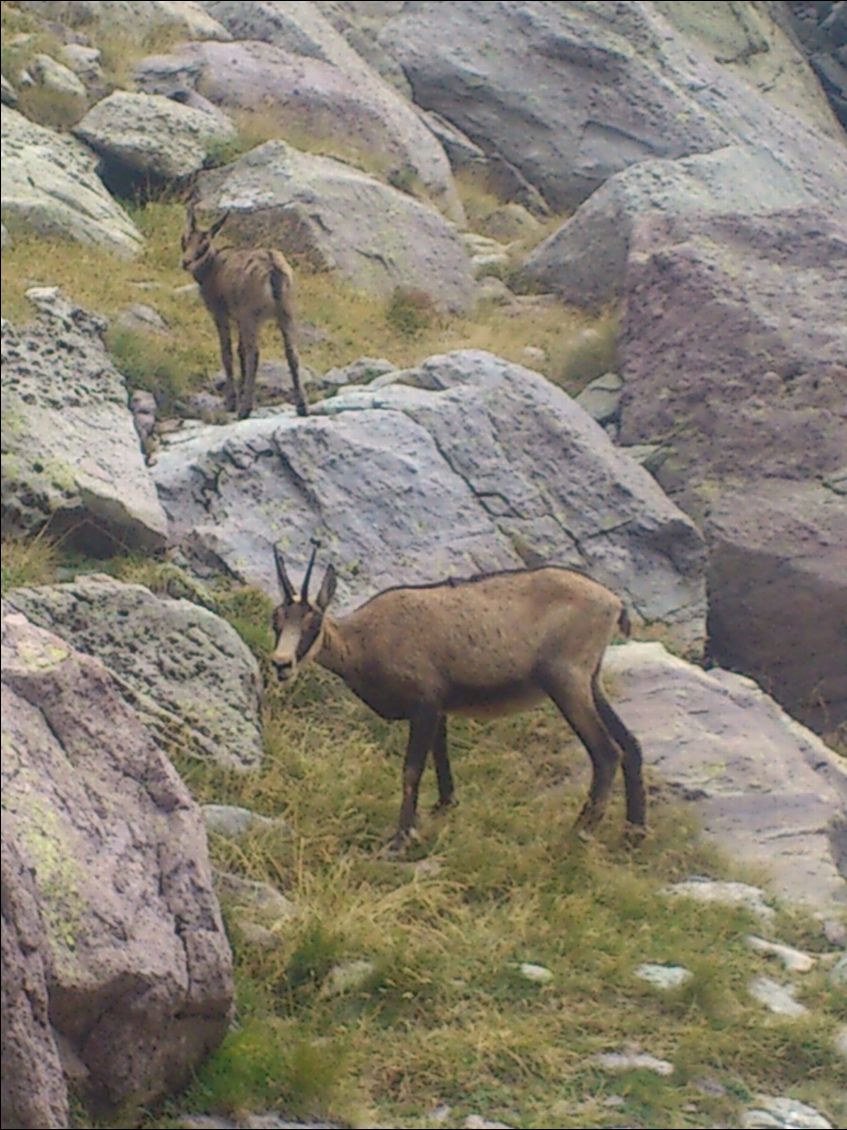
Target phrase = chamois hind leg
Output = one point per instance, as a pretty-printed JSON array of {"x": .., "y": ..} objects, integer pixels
[
  {"x": 636, "y": 804},
  {"x": 248, "y": 348},
  {"x": 285, "y": 321},
  {"x": 422, "y": 727},
  {"x": 573, "y": 696},
  {"x": 225, "y": 339},
  {"x": 446, "y": 791}
]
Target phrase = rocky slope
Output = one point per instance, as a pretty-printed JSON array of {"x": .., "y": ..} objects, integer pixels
[{"x": 697, "y": 157}]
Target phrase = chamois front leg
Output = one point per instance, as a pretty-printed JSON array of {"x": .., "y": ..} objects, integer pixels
[
  {"x": 446, "y": 791},
  {"x": 422, "y": 726},
  {"x": 225, "y": 339}
]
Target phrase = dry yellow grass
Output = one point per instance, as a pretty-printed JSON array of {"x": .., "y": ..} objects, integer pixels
[{"x": 349, "y": 324}]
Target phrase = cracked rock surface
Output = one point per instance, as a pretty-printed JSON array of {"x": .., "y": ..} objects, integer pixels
[
  {"x": 185, "y": 671},
  {"x": 71, "y": 455},
  {"x": 110, "y": 897},
  {"x": 765, "y": 789},
  {"x": 468, "y": 463}
]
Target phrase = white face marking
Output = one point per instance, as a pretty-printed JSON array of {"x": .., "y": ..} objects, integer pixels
[{"x": 286, "y": 646}]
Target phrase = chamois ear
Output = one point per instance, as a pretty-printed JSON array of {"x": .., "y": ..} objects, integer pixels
[
  {"x": 282, "y": 576},
  {"x": 218, "y": 224},
  {"x": 327, "y": 588}
]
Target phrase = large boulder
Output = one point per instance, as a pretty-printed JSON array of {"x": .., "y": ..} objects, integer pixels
[
  {"x": 335, "y": 217},
  {"x": 483, "y": 465},
  {"x": 143, "y": 17},
  {"x": 821, "y": 26},
  {"x": 109, "y": 904},
  {"x": 71, "y": 457},
  {"x": 766, "y": 791},
  {"x": 734, "y": 354},
  {"x": 733, "y": 347},
  {"x": 333, "y": 92},
  {"x": 184, "y": 670},
  {"x": 611, "y": 84},
  {"x": 50, "y": 185},
  {"x": 34, "y": 1094},
  {"x": 146, "y": 137},
  {"x": 777, "y": 583},
  {"x": 585, "y": 260}
]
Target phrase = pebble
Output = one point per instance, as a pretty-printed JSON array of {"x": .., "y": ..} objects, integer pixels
[
  {"x": 231, "y": 820},
  {"x": 537, "y": 973},
  {"x": 347, "y": 977},
  {"x": 783, "y": 1114},
  {"x": 664, "y": 976},
  {"x": 633, "y": 1061},
  {"x": 721, "y": 891},
  {"x": 778, "y": 998},
  {"x": 795, "y": 961}
]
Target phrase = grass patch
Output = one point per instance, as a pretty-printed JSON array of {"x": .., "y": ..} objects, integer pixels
[
  {"x": 348, "y": 324},
  {"x": 445, "y": 1016},
  {"x": 28, "y": 561}
]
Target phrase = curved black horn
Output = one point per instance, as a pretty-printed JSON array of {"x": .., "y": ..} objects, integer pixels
[
  {"x": 304, "y": 592},
  {"x": 282, "y": 575}
]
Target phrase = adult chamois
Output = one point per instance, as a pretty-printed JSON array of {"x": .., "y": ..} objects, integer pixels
[
  {"x": 247, "y": 287},
  {"x": 482, "y": 646}
]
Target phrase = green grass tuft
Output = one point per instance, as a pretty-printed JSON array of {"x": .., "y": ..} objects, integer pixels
[{"x": 28, "y": 562}]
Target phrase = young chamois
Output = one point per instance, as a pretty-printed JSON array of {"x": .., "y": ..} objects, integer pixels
[
  {"x": 483, "y": 646},
  {"x": 248, "y": 287}
]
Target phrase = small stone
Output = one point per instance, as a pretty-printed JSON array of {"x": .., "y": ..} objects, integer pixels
[
  {"x": 601, "y": 398},
  {"x": 614, "y": 1101},
  {"x": 56, "y": 77},
  {"x": 778, "y": 998},
  {"x": 83, "y": 61},
  {"x": 664, "y": 976},
  {"x": 795, "y": 961},
  {"x": 439, "y": 1114},
  {"x": 783, "y": 1114},
  {"x": 841, "y": 1041},
  {"x": 475, "y": 1122},
  {"x": 233, "y": 821},
  {"x": 493, "y": 289},
  {"x": 253, "y": 896},
  {"x": 835, "y": 932},
  {"x": 618, "y": 1062},
  {"x": 721, "y": 891},
  {"x": 534, "y": 354},
  {"x": 359, "y": 372},
  {"x": 138, "y": 316},
  {"x": 206, "y": 406},
  {"x": 258, "y": 935},
  {"x": 349, "y": 977},
  {"x": 537, "y": 973}
]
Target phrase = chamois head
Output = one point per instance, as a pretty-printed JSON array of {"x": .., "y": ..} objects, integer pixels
[
  {"x": 197, "y": 243},
  {"x": 298, "y": 623}
]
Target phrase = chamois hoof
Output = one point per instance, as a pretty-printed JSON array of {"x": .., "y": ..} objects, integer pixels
[
  {"x": 635, "y": 834},
  {"x": 399, "y": 843},
  {"x": 302, "y": 410},
  {"x": 442, "y": 806}
]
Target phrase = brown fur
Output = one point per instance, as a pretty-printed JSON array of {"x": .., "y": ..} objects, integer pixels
[
  {"x": 248, "y": 288},
  {"x": 483, "y": 646}
]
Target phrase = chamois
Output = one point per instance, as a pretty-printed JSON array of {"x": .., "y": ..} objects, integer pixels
[
  {"x": 248, "y": 287},
  {"x": 481, "y": 646}
]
